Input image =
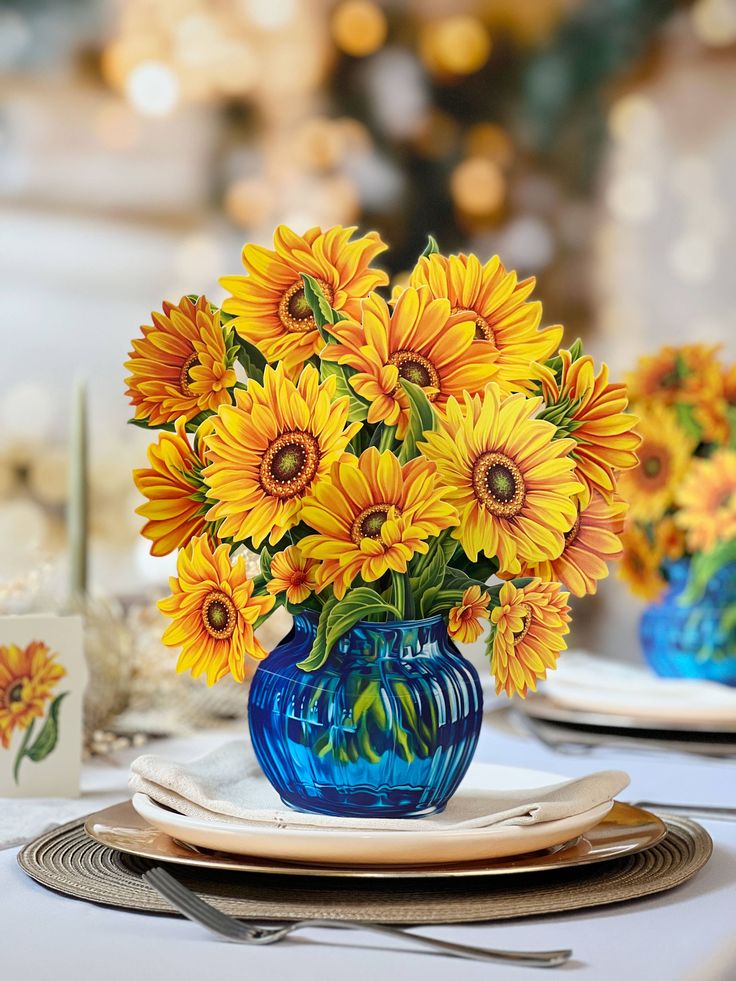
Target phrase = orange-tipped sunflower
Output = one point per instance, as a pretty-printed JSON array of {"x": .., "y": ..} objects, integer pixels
[
  {"x": 175, "y": 509},
  {"x": 213, "y": 610},
  {"x": 271, "y": 450},
  {"x": 640, "y": 563},
  {"x": 595, "y": 417},
  {"x": 372, "y": 516},
  {"x": 28, "y": 676},
  {"x": 183, "y": 364},
  {"x": 421, "y": 341},
  {"x": 294, "y": 574},
  {"x": 689, "y": 374},
  {"x": 500, "y": 307},
  {"x": 664, "y": 456},
  {"x": 592, "y": 542},
  {"x": 269, "y": 304},
  {"x": 510, "y": 480},
  {"x": 530, "y": 626},
  {"x": 707, "y": 501},
  {"x": 464, "y": 621}
]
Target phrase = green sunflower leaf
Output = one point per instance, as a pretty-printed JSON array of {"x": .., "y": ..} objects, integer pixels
[
  {"x": 358, "y": 604},
  {"x": 142, "y": 424},
  {"x": 358, "y": 410},
  {"x": 45, "y": 741},
  {"x": 421, "y": 420},
  {"x": 322, "y": 312},
  {"x": 253, "y": 362},
  {"x": 318, "y": 654},
  {"x": 431, "y": 248}
]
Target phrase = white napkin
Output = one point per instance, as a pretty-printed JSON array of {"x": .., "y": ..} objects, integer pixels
[
  {"x": 595, "y": 684},
  {"x": 227, "y": 784}
]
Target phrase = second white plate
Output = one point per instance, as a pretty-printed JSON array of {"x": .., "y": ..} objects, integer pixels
[{"x": 333, "y": 846}]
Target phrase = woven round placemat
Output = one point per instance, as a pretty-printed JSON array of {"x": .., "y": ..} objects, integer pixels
[{"x": 70, "y": 862}]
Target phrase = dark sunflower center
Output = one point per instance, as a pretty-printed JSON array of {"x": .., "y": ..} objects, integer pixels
[
  {"x": 369, "y": 522},
  {"x": 289, "y": 464},
  {"x": 294, "y": 310},
  {"x": 498, "y": 484},
  {"x": 526, "y": 622},
  {"x": 572, "y": 534},
  {"x": 15, "y": 693},
  {"x": 483, "y": 330},
  {"x": 185, "y": 375},
  {"x": 501, "y": 482},
  {"x": 652, "y": 466},
  {"x": 417, "y": 369},
  {"x": 218, "y": 615}
]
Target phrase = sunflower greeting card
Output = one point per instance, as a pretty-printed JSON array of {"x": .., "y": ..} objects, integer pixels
[{"x": 42, "y": 679}]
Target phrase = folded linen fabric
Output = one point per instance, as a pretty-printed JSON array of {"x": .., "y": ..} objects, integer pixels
[
  {"x": 595, "y": 684},
  {"x": 227, "y": 785}
]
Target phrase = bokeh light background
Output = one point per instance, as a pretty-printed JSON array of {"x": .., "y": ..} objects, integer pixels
[{"x": 592, "y": 144}]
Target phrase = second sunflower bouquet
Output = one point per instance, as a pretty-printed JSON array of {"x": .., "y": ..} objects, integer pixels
[{"x": 385, "y": 458}]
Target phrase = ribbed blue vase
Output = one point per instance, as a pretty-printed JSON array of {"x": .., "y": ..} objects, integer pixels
[
  {"x": 693, "y": 640},
  {"x": 386, "y": 727}
]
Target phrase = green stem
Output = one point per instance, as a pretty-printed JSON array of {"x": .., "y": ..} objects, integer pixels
[
  {"x": 410, "y": 611},
  {"x": 22, "y": 749},
  {"x": 386, "y": 441},
  {"x": 397, "y": 581}
]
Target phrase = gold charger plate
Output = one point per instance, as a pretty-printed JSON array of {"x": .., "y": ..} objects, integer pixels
[{"x": 625, "y": 830}]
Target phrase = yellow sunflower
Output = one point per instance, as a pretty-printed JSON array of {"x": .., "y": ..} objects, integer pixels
[
  {"x": 175, "y": 509},
  {"x": 669, "y": 538},
  {"x": 270, "y": 450},
  {"x": 269, "y": 304},
  {"x": 640, "y": 563},
  {"x": 530, "y": 625},
  {"x": 464, "y": 621},
  {"x": 664, "y": 456},
  {"x": 294, "y": 574},
  {"x": 181, "y": 366},
  {"x": 707, "y": 501},
  {"x": 28, "y": 677},
  {"x": 510, "y": 480},
  {"x": 372, "y": 516},
  {"x": 592, "y": 542},
  {"x": 421, "y": 341},
  {"x": 690, "y": 374},
  {"x": 213, "y": 610},
  {"x": 604, "y": 433},
  {"x": 500, "y": 307}
]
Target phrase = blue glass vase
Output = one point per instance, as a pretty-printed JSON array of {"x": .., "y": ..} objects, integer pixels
[
  {"x": 693, "y": 640},
  {"x": 386, "y": 727}
]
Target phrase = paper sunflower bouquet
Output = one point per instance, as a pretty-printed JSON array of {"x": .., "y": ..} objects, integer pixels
[
  {"x": 680, "y": 537},
  {"x": 385, "y": 457}
]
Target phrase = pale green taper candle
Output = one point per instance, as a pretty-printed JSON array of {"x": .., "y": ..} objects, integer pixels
[{"x": 77, "y": 509}]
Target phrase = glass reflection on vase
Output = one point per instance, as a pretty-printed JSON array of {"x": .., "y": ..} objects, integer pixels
[{"x": 386, "y": 727}]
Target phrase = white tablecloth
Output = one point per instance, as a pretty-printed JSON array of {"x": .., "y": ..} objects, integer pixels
[{"x": 683, "y": 935}]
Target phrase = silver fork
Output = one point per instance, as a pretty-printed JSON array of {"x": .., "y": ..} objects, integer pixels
[{"x": 239, "y": 932}]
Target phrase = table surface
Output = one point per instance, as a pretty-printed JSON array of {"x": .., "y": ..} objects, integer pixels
[{"x": 683, "y": 935}]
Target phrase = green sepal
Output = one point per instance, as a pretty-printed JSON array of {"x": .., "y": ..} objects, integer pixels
[{"x": 431, "y": 248}]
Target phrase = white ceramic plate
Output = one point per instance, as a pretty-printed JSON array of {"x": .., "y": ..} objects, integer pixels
[{"x": 332, "y": 846}]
